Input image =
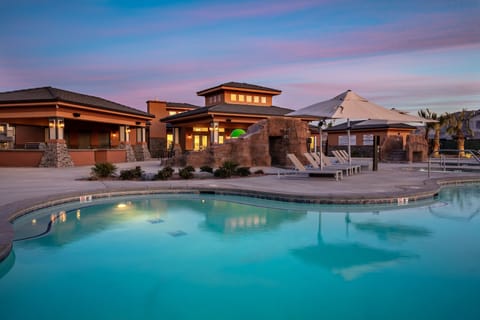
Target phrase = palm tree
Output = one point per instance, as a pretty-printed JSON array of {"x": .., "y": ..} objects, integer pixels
[
  {"x": 436, "y": 126},
  {"x": 455, "y": 127}
]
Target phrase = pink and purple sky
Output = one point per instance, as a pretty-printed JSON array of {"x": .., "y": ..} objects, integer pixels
[{"x": 403, "y": 54}]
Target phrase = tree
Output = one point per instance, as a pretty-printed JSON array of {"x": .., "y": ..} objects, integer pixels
[
  {"x": 458, "y": 124},
  {"x": 436, "y": 126}
]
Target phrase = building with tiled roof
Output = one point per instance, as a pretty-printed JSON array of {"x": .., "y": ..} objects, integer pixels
[
  {"x": 89, "y": 129},
  {"x": 228, "y": 106}
]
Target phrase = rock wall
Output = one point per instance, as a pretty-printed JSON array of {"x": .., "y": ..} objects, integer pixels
[
  {"x": 56, "y": 155},
  {"x": 141, "y": 152},
  {"x": 129, "y": 151},
  {"x": 266, "y": 143},
  {"x": 416, "y": 148}
]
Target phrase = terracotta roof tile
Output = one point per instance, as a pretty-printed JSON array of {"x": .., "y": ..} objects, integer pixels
[{"x": 55, "y": 94}]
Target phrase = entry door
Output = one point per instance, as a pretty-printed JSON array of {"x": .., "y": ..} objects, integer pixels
[{"x": 199, "y": 142}]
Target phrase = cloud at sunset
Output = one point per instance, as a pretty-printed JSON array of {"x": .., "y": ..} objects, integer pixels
[{"x": 404, "y": 54}]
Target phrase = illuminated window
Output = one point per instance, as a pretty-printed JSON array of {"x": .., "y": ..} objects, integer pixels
[
  {"x": 172, "y": 113},
  {"x": 233, "y": 97},
  {"x": 249, "y": 98},
  {"x": 264, "y": 99},
  {"x": 169, "y": 140},
  {"x": 200, "y": 129},
  {"x": 256, "y": 99},
  {"x": 241, "y": 98}
]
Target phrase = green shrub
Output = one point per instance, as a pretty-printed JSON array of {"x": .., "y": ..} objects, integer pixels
[
  {"x": 164, "y": 174},
  {"x": 230, "y": 166},
  {"x": 226, "y": 170},
  {"x": 243, "y": 172},
  {"x": 104, "y": 170},
  {"x": 130, "y": 174},
  {"x": 190, "y": 168},
  {"x": 222, "y": 173},
  {"x": 206, "y": 169},
  {"x": 186, "y": 173}
]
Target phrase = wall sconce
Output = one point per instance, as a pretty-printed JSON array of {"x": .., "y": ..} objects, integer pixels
[
  {"x": 189, "y": 136},
  {"x": 51, "y": 122},
  {"x": 114, "y": 134},
  {"x": 60, "y": 123},
  {"x": 127, "y": 130}
]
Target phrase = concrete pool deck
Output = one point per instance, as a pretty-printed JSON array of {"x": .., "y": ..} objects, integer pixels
[{"x": 25, "y": 189}]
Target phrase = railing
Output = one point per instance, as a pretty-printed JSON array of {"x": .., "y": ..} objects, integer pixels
[{"x": 455, "y": 159}]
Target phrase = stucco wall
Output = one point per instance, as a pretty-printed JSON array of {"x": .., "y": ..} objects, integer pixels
[{"x": 20, "y": 158}]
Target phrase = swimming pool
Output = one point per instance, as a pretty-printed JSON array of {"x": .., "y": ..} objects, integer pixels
[{"x": 209, "y": 257}]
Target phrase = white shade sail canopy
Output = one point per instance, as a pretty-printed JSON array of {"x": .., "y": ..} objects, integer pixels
[{"x": 349, "y": 105}]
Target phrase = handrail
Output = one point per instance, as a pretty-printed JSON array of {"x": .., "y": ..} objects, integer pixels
[{"x": 443, "y": 160}]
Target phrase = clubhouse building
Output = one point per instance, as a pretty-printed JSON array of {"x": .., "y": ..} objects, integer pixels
[{"x": 51, "y": 127}]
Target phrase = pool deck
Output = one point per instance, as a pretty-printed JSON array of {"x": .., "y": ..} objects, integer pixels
[{"x": 25, "y": 189}]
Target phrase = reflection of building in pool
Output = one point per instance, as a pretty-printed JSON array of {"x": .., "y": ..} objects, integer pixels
[
  {"x": 348, "y": 259},
  {"x": 230, "y": 217},
  {"x": 80, "y": 223}
]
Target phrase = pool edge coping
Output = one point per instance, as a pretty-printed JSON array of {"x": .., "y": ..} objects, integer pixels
[{"x": 429, "y": 189}]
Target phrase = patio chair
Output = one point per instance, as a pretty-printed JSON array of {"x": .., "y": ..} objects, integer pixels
[
  {"x": 335, "y": 173},
  {"x": 344, "y": 155},
  {"x": 340, "y": 157},
  {"x": 327, "y": 164},
  {"x": 351, "y": 168}
]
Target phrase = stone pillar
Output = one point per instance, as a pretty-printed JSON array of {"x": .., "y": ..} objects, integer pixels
[
  {"x": 56, "y": 155},
  {"x": 129, "y": 151},
  {"x": 141, "y": 152}
]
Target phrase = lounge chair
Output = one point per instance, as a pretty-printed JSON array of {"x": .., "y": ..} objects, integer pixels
[
  {"x": 347, "y": 169},
  {"x": 351, "y": 168},
  {"x": 341, "y": 158},
  {"x": 337, "y": 174},
  {"x": 344, "y": 155}
]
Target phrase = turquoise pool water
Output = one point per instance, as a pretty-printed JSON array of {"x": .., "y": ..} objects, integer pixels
[{"x": 210, "y": 257}]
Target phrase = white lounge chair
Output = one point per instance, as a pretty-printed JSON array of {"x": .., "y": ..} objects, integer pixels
[
  {"x": 344, "y": 155},
  {"x": 327, "y": 164},
  {"x": 337, "y": 174}
]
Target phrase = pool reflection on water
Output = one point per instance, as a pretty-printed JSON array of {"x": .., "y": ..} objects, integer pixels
[{"x": 203, "y": 256}]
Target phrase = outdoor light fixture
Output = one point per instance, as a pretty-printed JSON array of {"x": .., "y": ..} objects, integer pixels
[
  {"x": 51, "y": 122},
  {"x": 60, "y": 123}
]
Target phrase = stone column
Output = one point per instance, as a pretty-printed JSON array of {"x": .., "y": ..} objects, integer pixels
[{"x": 56, "y": 155}]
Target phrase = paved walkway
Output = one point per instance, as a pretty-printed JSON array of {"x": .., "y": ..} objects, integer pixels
[{"x": 22, "y": 189}]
